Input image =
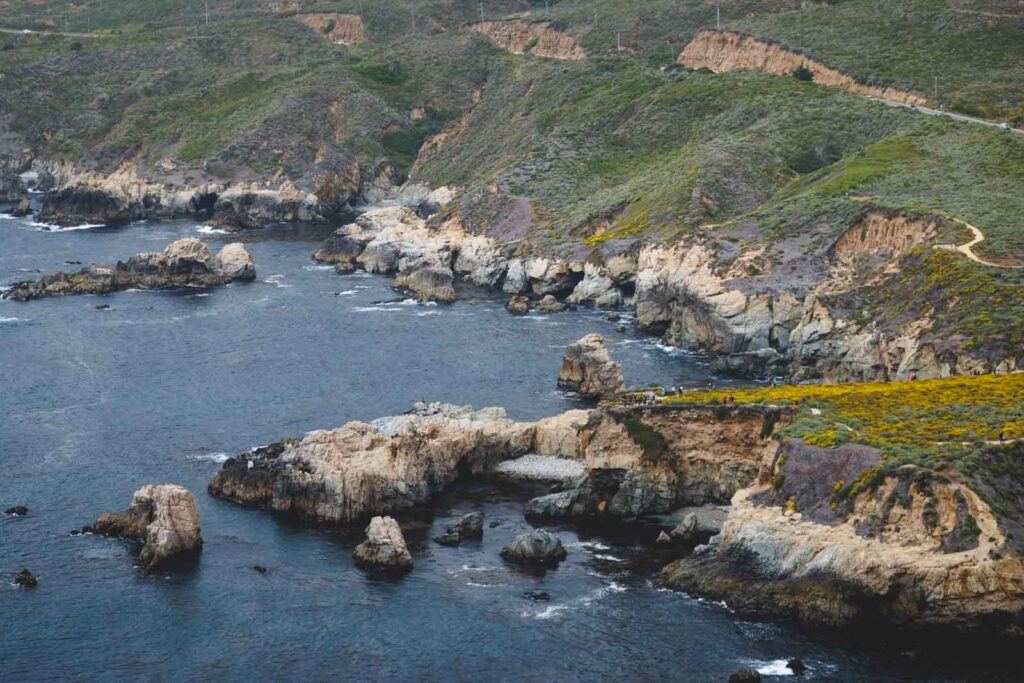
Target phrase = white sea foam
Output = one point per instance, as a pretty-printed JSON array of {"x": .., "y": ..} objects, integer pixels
[
  {"x": 776, "y": 667},
  {"x": 46, "y": 227},
  {"x": 594, "y": 545},
  {"x": 582, "y": 601},
  {"x": 607, "y": 558},
  {"x": 7, "y": 217},
  {"x": 7, "y": 321},
  {"x": 210, "y": 230},
  {"x": 347, "y": 292},
  {"x": 319, "y": 266},
  {"x": 210, "y": 457},
  {"x": 376, "y": 309}
]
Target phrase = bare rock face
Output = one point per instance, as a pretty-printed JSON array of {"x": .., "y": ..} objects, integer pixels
[
  {"x": 235, "y": 262},
  {"x": 164, "y": 518},
  {"x": 184, "y": 263},
  {"x": 384, "y": 548},
  {"x": 913, "y": 552},
  {"x": 348, "y": 474},
  {"x": 428, "y": 280},
  {"x": 588, "y": 369},
  {"x": 539, "y": 547},
  {"x": 24, "y": 208}
]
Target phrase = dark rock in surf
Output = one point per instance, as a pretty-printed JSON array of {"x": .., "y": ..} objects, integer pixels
[
  {"x": 470, "y": 526},
  {"x": 539, "y": 547}
]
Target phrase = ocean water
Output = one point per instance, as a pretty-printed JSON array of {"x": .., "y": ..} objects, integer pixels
[{"x": 163, "y": 385}]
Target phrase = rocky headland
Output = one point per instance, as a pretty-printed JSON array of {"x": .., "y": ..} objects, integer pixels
[
  {"x": 185, "y": 263},
  {"x": 588, "y": 369},
  {"x": 360, "y": 470}
]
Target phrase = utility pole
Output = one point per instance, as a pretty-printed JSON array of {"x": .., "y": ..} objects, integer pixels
[
  {"x": 481, "y": 12},
  {"x": 546, "y": 9},
  {"x": 618, "y": 42},
  {"x": 718, "y": 17},
  {"x": 206, "y": 5},
  {"x": 936, "y": 88},
  {"x": 414, "y": 21}
]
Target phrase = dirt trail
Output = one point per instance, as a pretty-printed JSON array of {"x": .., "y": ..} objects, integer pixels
[{"x": 967, "y": 248}]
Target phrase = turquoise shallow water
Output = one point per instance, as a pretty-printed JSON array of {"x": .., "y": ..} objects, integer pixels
[{"x": 94, "y": 404}]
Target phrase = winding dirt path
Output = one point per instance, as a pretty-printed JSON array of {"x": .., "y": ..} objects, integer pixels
[{"x": 967, "y": 248}]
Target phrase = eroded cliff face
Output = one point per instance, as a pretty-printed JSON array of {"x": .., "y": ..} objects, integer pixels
[
  {"x": 906, "y": 549},
  {"x": 727, "y": 51},
  {"x": 537, "y": 38},
  {"x": 656, "y": 459},
  {"x": 343, "y": 29}
]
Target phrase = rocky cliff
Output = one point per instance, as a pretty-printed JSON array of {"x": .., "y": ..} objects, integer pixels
[
  {"x": 911, "y": 549},
  {"x": 726, "y": 51},
  {"x": 539, "y": 38}
]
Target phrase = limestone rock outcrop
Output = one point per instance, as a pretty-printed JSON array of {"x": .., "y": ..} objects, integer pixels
[
  {"x": 588, "y": 368},
  {"x": 428, "y": 280},
  {"x": 359, "y": 470},
  {"x": 337, "y": 27},
  {"x": 185, "y": 263},
  {"x": 384, "y": 548},
  {"x": 163, "y": 518},
  {"x": 539, "y": 547}
]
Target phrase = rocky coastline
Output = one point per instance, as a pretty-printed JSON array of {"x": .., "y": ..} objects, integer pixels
[{"x": 185, "y": 263}]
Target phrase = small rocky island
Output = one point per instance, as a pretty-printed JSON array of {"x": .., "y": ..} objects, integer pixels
[
  {"x": 163, "y": 518},
  {"x": 185, "y": 263}
]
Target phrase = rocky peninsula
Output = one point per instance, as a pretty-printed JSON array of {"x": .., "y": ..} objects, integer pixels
[{"x": 186, "y": 263}]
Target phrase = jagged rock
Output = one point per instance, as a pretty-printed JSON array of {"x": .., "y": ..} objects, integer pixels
[
  {"x": 663, "y": 538},
  {"x": 518, "y": 305},
  {"x": 470, "y": 526},
  {"x": 260, "y": 569},
  {"x": 687, "y": 529},
  {"x": 797, "y": 666},
  {"x": 745, "y": 676},
  {"x": 25, "y": 579},
  {"x": 384, "y": 548},
  {"x": 539, "y": 547},
  {"x": 24, "y": 208},
  {"x": 358, "y": 470},
  {"x": 587, "y": 368},
  {"x": 537, "y": 596},
  {"x": 516, "y": 281},
  {"x": 77, "y": 204},
  {"x": 435, "y": 201},
  {"x": 164, "y": 518},
  {"x": 184, "y": 263},
  {"x": 19, "y": 510},
  {"x": 596, "y": 289},
  {"x": 428, "y": 280},
  {"x": 235, "y": 262},
  {"x": 552, "y": 506}
]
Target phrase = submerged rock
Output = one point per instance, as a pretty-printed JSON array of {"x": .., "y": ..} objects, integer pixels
[
  {"x": 184, "y": 263},
  {"x": 745, "y": 676},
  {"x": 25, "y": 579},
  {"x": 17, "y": 510},
  {"x": 588, "y": 369},
  {"x": 164, "y": 518},
  {"x": 539, "y": 547},
  {"x": 384, "y": 548},
  {"x": 470, "y": 526}
]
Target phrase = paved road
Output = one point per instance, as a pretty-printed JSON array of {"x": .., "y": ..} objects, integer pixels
[{"x": 938, "y": 112}]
